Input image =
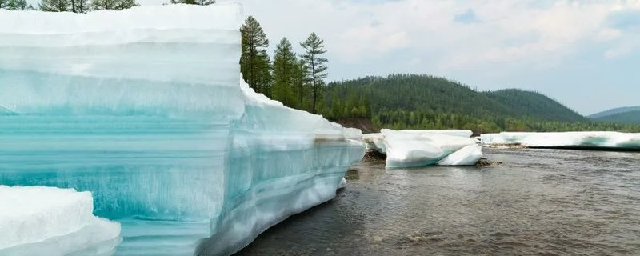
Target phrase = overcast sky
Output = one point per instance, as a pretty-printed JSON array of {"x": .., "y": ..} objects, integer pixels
[{"x": 585, "y": 54}]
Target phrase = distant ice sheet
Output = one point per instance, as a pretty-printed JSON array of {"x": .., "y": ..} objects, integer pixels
[{"x": 610, "y": 140}]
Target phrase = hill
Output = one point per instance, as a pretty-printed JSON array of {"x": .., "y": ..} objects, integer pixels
[
  {"x": 630, "y": 117},
  {"x": 428, "y": 102},
  {"x": 614, "y": 111},
  {"x": 535, "y": 105},
  {"x": 422, "y": 92},
  {"x": 428, "y": 93}
]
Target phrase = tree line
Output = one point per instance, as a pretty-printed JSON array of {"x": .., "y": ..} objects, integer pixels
[
  {"x": 431, "y": 120},
  {"x": 296, "y": 80},
  {"x": 84, "y": 6}
]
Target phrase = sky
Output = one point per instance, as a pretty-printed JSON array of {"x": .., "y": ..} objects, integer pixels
[{"x": 585, "y": 54}]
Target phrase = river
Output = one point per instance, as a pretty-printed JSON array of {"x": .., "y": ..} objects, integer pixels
[{"x": 538, "y": 202}]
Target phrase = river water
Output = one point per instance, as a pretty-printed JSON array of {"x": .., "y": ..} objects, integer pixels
[{"x": 538, "y": 202}]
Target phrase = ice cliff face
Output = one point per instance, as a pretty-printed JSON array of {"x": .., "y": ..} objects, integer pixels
[{"x": 145, "y": 108}]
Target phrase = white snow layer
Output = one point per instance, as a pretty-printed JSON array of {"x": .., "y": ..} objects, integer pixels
[
  {"x": 52, "y": 221},
  {"x": 411, "y": 148},
  {"x": 613, "y": 140}
]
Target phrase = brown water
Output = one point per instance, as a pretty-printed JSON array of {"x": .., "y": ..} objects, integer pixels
[{"x": 539, "y": 202}]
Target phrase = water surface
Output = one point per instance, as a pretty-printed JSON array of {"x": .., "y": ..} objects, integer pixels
[{"x": 539, "y": 202}]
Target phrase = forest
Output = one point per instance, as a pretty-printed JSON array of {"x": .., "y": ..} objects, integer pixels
[{"x": 428, "y": 102}]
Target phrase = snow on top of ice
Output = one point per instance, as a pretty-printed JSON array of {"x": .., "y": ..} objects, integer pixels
[
  {"x": 221, "y": 16},
  {"x": 305, "y": 121},
  {"x": 140, "y": 24},
  {"x": 22, "y": 201},
  {"x": 257, "y": 99}
]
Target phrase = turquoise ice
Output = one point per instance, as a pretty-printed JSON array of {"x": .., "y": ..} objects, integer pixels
[{"x": 145, "y": 108}]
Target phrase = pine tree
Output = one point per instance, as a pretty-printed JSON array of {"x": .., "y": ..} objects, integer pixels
[
  {"x": 254, "y": 62},
  {"x": 79, "y": 6},
  {"x": 300, "y": 82},
  {"x": 315, "y": 65},
  {"x": 112, "y": 4},
  {"x": 284, "y": 62},
  {"x": 55, "y": 6},
  {"x": 15, "y": 5},
  {"x": 194, "y": 2}
]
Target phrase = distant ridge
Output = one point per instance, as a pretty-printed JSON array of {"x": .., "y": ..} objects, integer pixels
[
  {"x": 441, "y": 95},
  {"x": 614, "y": 111},
  {"x": 629, "y": 117}
]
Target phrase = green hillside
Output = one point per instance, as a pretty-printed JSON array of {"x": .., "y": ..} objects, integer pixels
[
  {"x": 419, "y": 92},
  {"x": 428, "y": 102},
  {"x": 535, "y": 105},
  {"x": 631, "y": 117}
]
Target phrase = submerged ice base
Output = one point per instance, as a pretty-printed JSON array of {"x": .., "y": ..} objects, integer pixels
[
  {"x": 589, "y": 140},
  {"x": 145, "y": 109},
  {"x": 415, "y": 148}
]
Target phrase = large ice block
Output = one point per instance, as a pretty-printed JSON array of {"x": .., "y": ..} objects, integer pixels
[
  {"x": 52, "y": 221},
  {"x": 145, "y": 108},
  {"x": 413, "y": 148},
  {"x": 603, "y": 140}
]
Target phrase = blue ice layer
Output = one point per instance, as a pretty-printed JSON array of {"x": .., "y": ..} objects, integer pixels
[{"x": 178, "y": 180}]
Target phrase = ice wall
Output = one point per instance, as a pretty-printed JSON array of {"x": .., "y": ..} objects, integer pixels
[
  {"x": 605, "y": 140},
  {"x": 52, "y": 221},
  {"x": 145, "y": 109}
]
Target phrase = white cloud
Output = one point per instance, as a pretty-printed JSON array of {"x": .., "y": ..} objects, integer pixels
[
  {"x": 354, "y": 31},
  {"x": 546, "y": 46}
]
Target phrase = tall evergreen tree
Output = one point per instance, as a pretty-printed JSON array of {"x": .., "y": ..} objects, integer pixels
[
  {"x": 55, "y": 5},
  {"x": 79, "y": 6},
  {"x": 284, "y": 62},
  {"x": 255, "y": 63},
  {"x": 315, "y": 66},
  {"x": 300, "y": 84},
  {"x": 194, "y": 2},
  {"x": 112, "y": 4}
]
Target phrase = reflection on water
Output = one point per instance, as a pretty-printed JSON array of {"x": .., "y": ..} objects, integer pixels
[{"x": 539, "y": 202}]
